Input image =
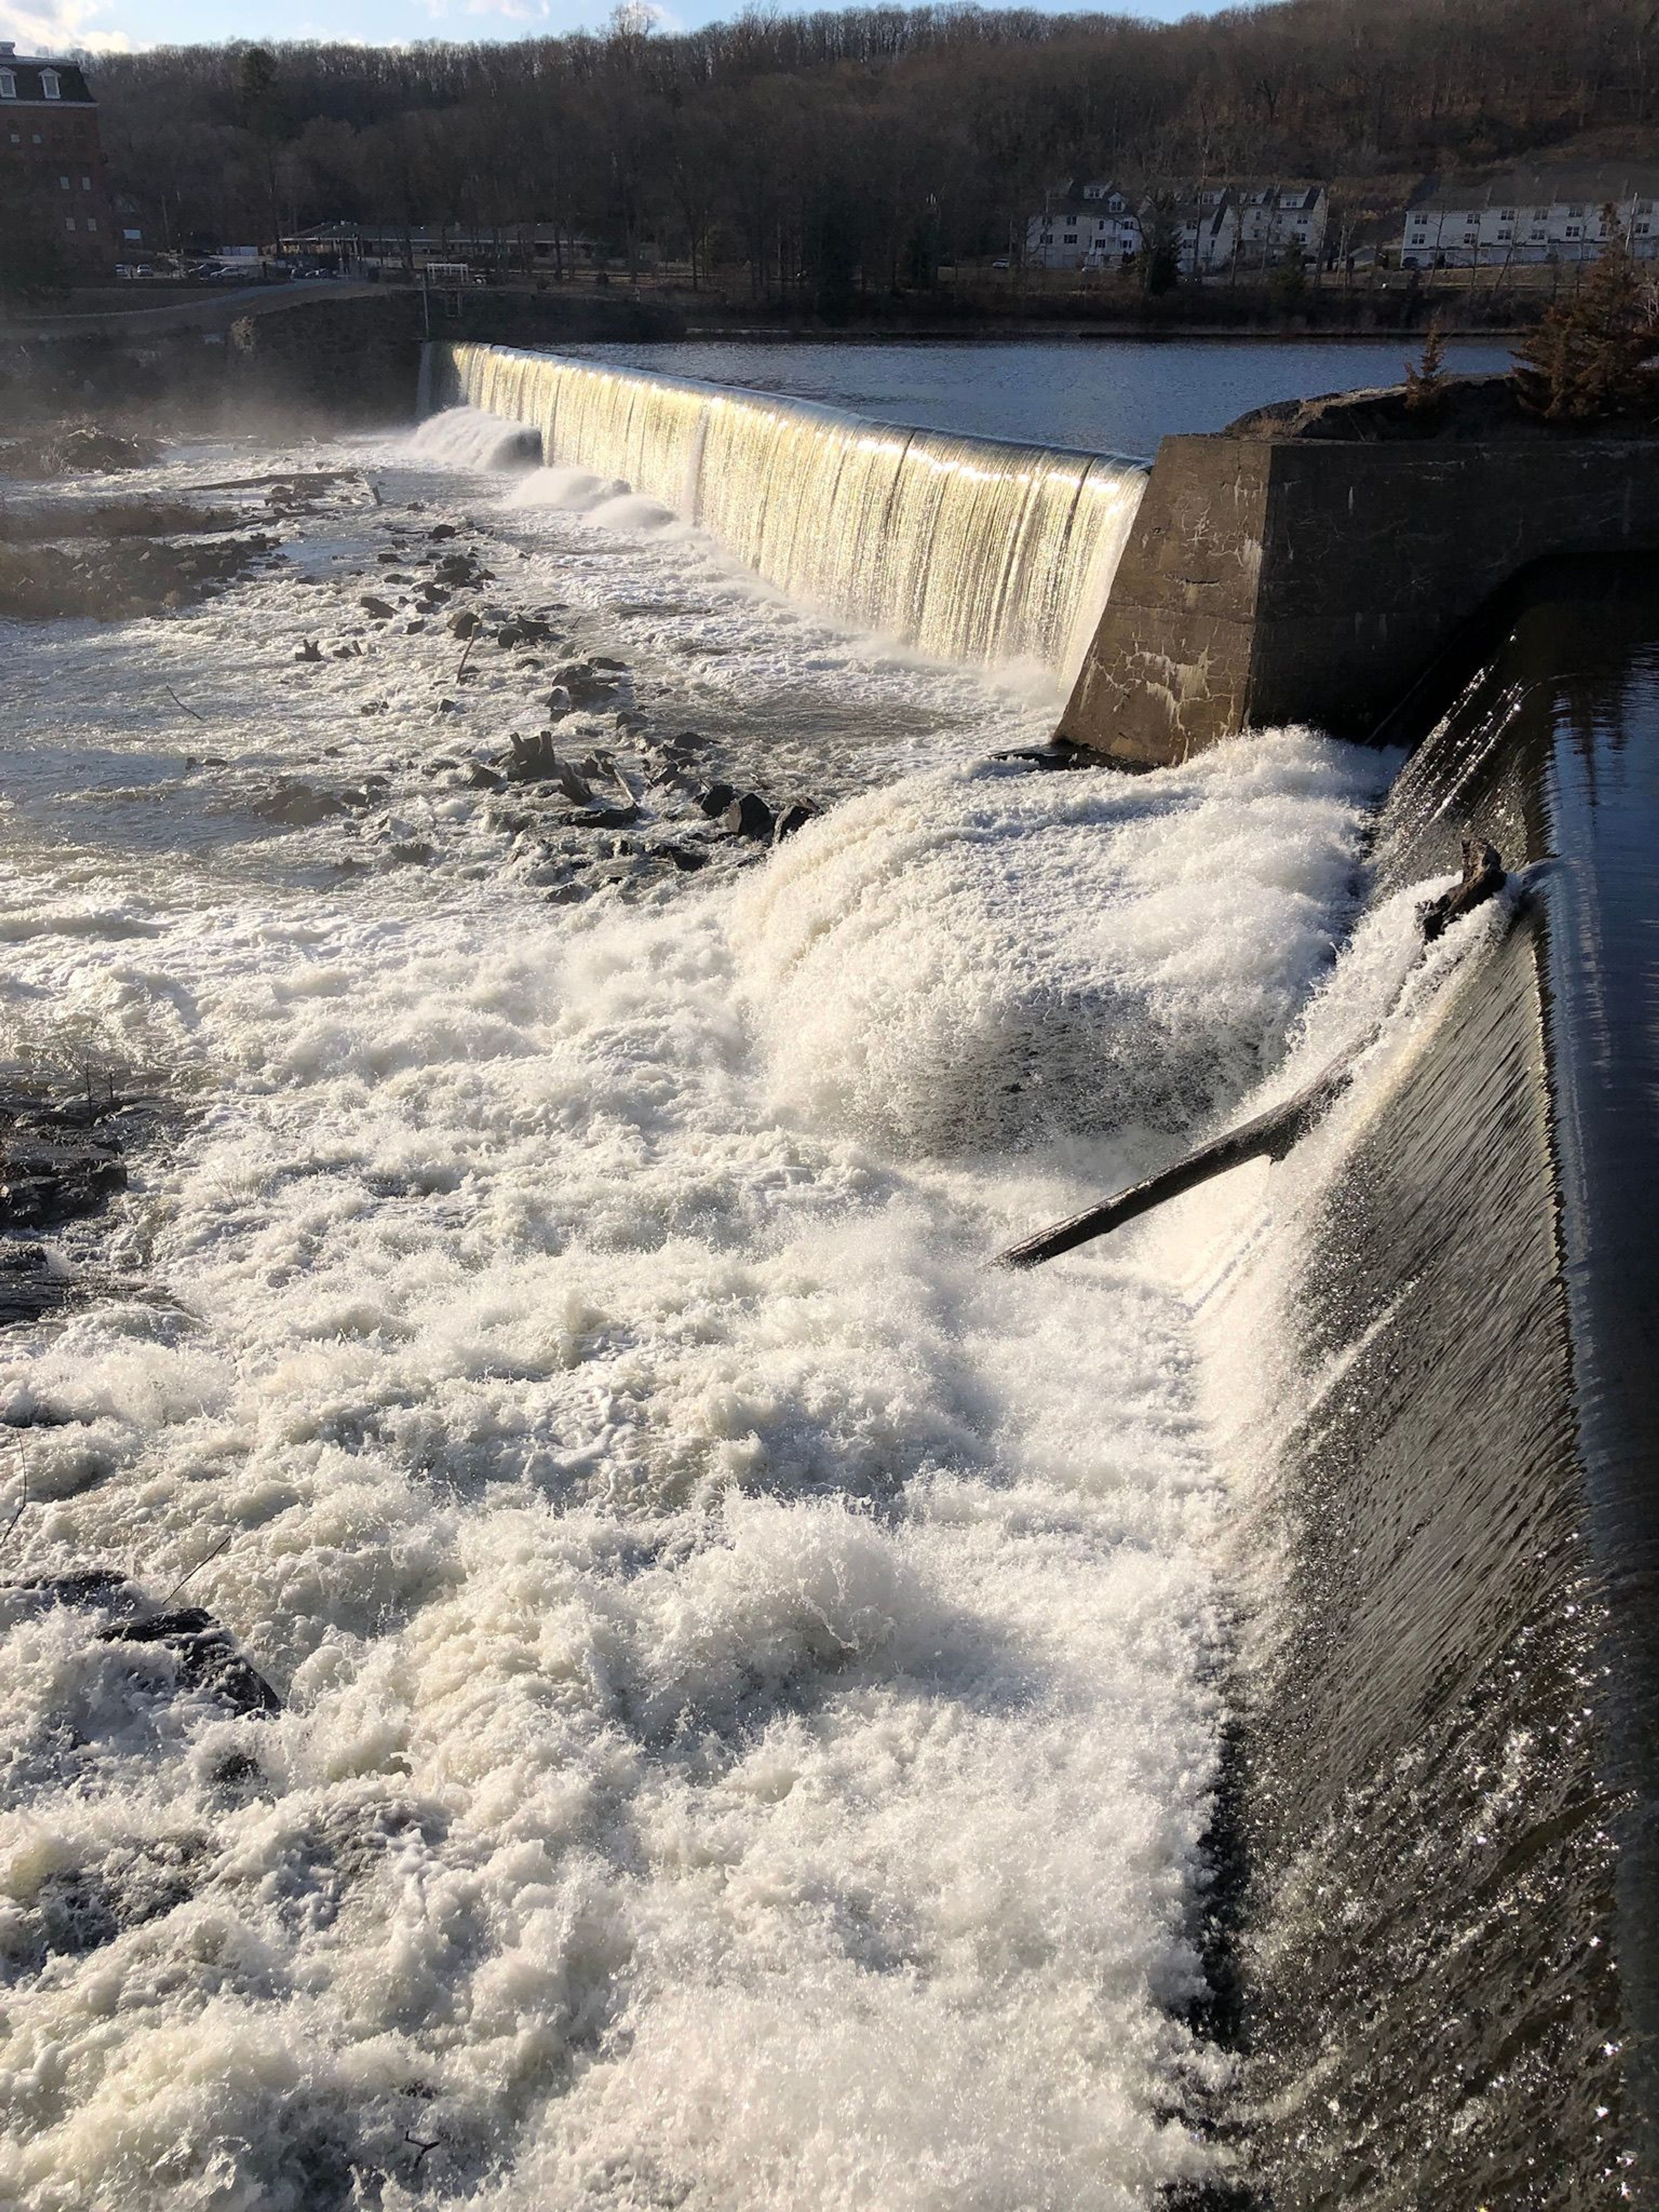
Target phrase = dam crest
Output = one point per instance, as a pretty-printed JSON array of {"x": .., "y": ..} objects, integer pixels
[{"x": 968, "y": 548}]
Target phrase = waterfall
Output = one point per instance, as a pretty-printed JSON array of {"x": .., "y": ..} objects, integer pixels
[{"x": 970, "y": 548}]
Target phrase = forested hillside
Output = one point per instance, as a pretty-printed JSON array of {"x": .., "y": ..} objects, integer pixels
[{"x": 886, "y": 139}]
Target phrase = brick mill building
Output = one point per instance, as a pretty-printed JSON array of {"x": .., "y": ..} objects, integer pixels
[{"x": 52, "y": 175}]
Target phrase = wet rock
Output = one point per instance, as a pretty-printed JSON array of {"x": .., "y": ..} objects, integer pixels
[
  {"x": 794, "y": 816},
  {"x": 443, "y": 530},
  {"x": 75, "y": 1911},
  {"x": 714, "y": 799},
  {"x": 295, "y": 805},
  {"x": 533, "y": 759},
  {"x": 382, "y": 610},
  {"x": 748, "y": 815},
  {"x": 30, "y": 1287},
  {"x": 118, "y": 579},
  {"x": 457, "y": 568},
  {"x": 686, "y": 858},
  {"x": 1059, "y": 753},
  {"x": 43, "y": 1184},
  {"x": 602, "y": 818},
  {"x": 485, "y": 778},
  {"x": 586, "y": 685},
  {"x": 53, "y": 1173},
  {"x": 75, "y": 449},
  {"x": 309, "y": 650},
  {"x": 526, "y": 629},
  {"x": 205, "y": 1656},
  {"x": 412, "y": 855},
  {"x": 463, "y": 622}
]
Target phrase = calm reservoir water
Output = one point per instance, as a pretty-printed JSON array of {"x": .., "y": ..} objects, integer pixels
[{"x": 1108, "y": 396}]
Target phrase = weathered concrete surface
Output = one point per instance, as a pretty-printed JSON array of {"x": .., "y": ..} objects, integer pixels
[{"x": 1271, "y": 580}]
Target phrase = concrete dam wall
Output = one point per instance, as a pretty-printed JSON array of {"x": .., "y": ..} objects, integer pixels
[
  {"x": 1268, "y": 580},
  {"x": 1445, "y": 1778}
]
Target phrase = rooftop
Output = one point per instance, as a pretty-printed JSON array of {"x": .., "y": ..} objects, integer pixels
[
  {"x": 41, "y": 81},
  {"x": 1578, "y": 184}
]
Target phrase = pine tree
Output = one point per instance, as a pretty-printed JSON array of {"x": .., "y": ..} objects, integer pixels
[
  {"x": 1425, "y": 378},
  {"x": 1595, "y": 357}
]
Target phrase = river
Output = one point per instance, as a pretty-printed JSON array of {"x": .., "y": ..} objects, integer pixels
[
  {"x": 1097, "y": 395},
  {"x": 752, "y": 1676}
]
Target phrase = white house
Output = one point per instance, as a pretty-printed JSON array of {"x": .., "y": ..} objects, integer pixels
[
  {"x": 1530, "y": 216},
  {"x": 1274, "y": 218},
  {"x": 1216, "y": 226},
  {"x": 1084, "y": 226}
]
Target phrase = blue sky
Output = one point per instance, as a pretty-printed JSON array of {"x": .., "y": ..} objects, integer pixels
[{"x": 55, "y": 26}]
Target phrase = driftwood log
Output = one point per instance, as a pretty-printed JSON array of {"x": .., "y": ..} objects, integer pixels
[
  {"x": 1269, "y": 1135},
  {"x": 1483, "y": 877}
]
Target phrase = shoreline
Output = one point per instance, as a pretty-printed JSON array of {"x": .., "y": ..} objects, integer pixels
[{"x": 1075, "y": 333}]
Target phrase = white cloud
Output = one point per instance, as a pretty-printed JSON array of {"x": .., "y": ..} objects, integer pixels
[{"x": 60, "y": 27}]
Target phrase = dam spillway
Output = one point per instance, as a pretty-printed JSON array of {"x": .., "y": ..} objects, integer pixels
[
  {"x": 968, "y": 548},
  {"x": 756, "y": 1681},
  {"x": 1446, "y": 1776}
]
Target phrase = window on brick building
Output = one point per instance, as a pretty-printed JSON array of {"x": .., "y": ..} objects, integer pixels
[
  {"x": 50, "y": 89},
  {"x": 7, "y": 84},
  {"x": 68, "y": 223}
]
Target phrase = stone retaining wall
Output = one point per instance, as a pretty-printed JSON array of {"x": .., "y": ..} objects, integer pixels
[{"x": 1272, "y": 581}]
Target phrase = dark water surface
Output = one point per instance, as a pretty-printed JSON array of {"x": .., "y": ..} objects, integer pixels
[{"x": 1101, "y": 395}]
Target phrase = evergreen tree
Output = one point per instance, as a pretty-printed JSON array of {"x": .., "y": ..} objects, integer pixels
[
  {"x": 1425, "y": 378},
  {"x": 1595, "y": 357}
]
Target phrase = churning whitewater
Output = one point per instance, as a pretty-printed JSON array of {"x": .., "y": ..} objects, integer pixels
[{"x": 748, "y": 1673}]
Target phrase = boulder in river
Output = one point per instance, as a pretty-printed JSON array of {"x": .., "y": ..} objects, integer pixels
[
  {"x": 203, "y": 1654},
  {"x": 748, "y": 815},
  {"x": 296, "y": 806}
]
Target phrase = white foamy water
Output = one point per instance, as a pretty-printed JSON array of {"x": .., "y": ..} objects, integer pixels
[
  {"x": 750, "y": 1673},
  {"x": 970, "y": 548}
]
